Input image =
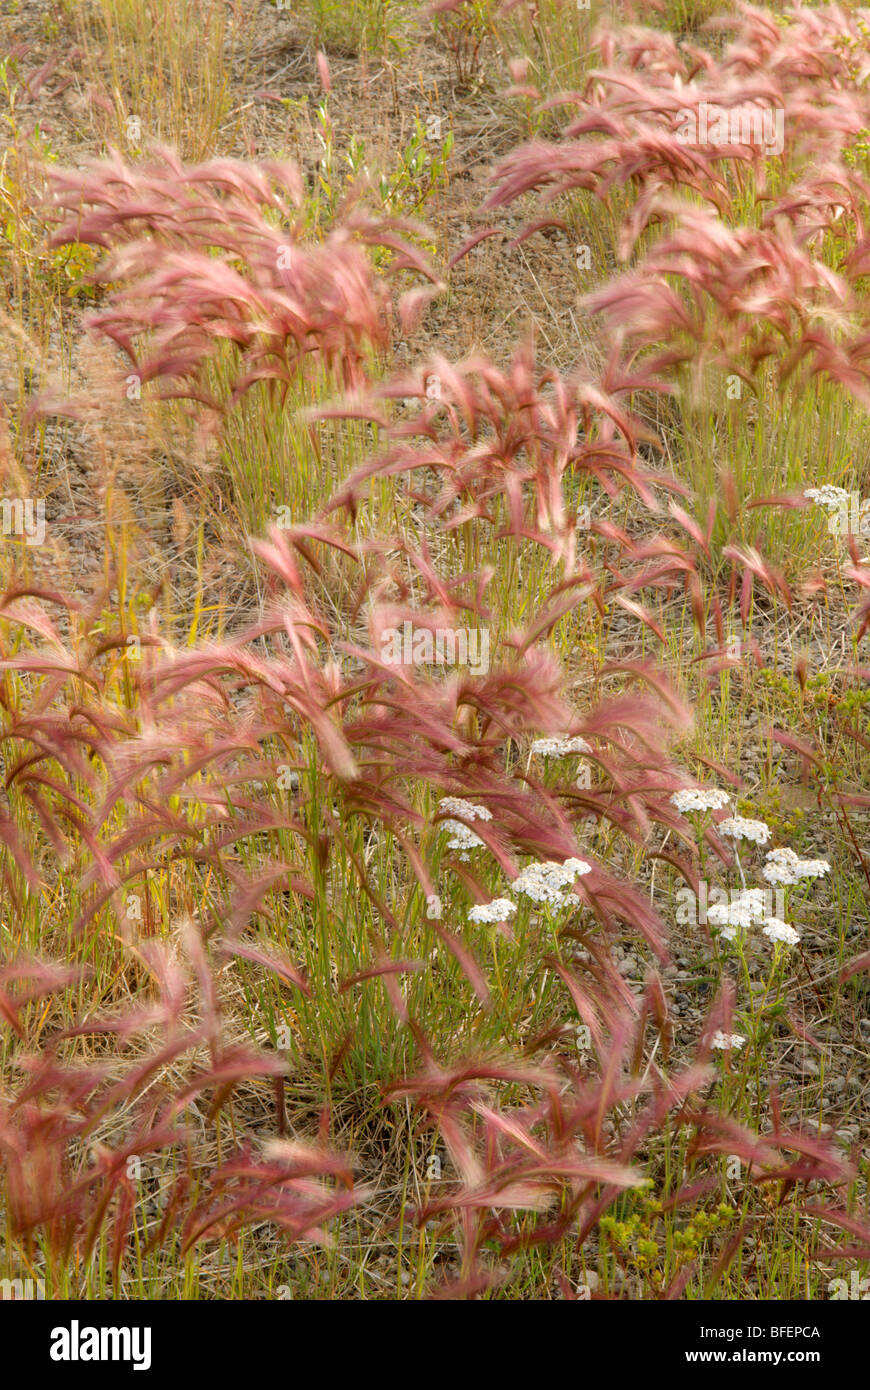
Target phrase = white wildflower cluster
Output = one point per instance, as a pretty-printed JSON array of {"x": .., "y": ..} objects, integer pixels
[
  {"x": 739, "y": 828},
  {"x": 723, "y": 1042},
  {"x": 750, "y": 906},
  {"x": 847, "y": 511},
  {"x": 776, "y": 930},
  {"x": 458, "y": 807},
  {"x": 499, "y": 910},
  {"x": 814, "y": 868},
  {"x": 782, "y": 866},
  {"x": 699, "y": 799},
  {"x": 546, "y": 882},
  {"x": 744, "y": 911},
  {"x": 756, "y": 900},
  {"x": 827, "y": 496},
  {"x": 785, "y": 867},
  {"x": 461, "y": 836},
  {"x": 560, "y": 746},
  {"x": 741, "y": 913}
]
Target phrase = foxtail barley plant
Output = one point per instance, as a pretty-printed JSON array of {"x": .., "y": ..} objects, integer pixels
[{"x": 322, "y": 934}]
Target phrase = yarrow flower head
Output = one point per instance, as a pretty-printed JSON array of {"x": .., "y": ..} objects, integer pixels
[
  {"x": 814, "y": 868},
  {"x": 775, "y": 930},
  {"x": 730, "y": 916},
  {"x": 854, "y": 511},
  {"x": 560, "y": 746},
  {"x": 723, "y": 1042},
  {"x": 546, "y": 882},
  {"x": 699, "y": 799},
  {"x": 827, "y": 496},
  {"x": 459, "y": 807},
  {"x": 739, "y": 828},
  {"x": 744, "y": 909},
  {"x": 461, "y": 837},
  {"x": 781, "y": 866},
  {"x": 497, "y": 911},
  {"x": 784, "y": 866},
  {"x": 756, "y": 899}
]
